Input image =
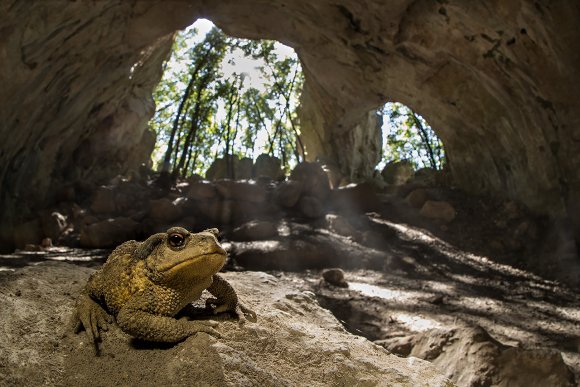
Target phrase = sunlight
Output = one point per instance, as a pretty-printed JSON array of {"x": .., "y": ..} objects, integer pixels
[
  {"x": 376, "y": 291},
  {"x": 417, "y": 323}
]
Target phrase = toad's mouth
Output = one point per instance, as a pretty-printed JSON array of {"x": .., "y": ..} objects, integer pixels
[{"x": 211, "y": 261}]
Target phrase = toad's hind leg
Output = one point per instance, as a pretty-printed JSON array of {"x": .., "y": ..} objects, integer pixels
[{"x": 165, "y": 329}]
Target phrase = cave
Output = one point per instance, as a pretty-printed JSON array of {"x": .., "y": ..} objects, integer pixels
[{"x": 497, "y": 81}]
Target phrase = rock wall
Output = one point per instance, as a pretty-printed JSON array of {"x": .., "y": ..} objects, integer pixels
[{"x": 497, "y": 80}]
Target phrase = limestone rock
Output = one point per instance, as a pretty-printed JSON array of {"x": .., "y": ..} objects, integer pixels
[
  {"x": 241, "y": 190},
  {"x": 311, "y": 206},
  {"x": 398, "y": 172},
  {"x": 164, "y": 210},
  {"x": 108, "y": 233},
  {"x": 356, "y": 198},
  {"x": 417, "y": 197},
  {"x": 103, "y": 201},
  {"x": 317, "y": 350},
  {"x": 244, "y": 169},
  {"x": 287, "y": 193},
  {"x": 255, "y": 231},
  {"x": 28, "y": 233},
  {"x": 313, "y": 178},
  {"x": 269, "y": 166},
  {"x": 438, "y": 210},
  {"x": 53, "y": 224},
  {"x": 201, "y": 190},
  {"x": 470, "y": 357},
  {"x": 340, "y": 225}
]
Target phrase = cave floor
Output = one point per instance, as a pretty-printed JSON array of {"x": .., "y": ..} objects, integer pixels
[{"x": 435, "y": 278}]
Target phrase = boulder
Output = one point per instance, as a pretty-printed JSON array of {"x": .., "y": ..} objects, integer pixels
[
  {"x": 243, "y": 170},
  {"x": 313, "y": 178},
  {"x": 201, "y": 190},
  {"x": 398, "y": 172},
  {"x": 27, "y": 233},
  {"x": 216, "y": 211},
  {"x": 165, "y": 210},
  {"x": 244, "y": 211},
  {"x": 311, "y": 207},
  {"x": 241, "y": 190},
  {"x": 53, "y": 224},
  {"x": 255, "y": 231},
  {"x": 103, "y": 201},
  {"x": 340, "y": 225},
  {"x": 108, "y": 233},
  {"x": 356, "y": 198},
  {"x": 471, "y": 357},
  {"x": 438, "y": 210},
  {"x": 219, "y": 168},
  {"x": 269, "y": 166},
  {"x": 417, "y": 197},
  {"x": 295, "y": 341},
  {"x": 288, "y": 193},
  {"x": 426, "y": 177}
]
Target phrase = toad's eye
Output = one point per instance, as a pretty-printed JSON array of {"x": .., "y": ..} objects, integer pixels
[{"x": 176, "y": 240}]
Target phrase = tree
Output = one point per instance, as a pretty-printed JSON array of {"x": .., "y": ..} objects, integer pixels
[{"x": 409, "y": 137}]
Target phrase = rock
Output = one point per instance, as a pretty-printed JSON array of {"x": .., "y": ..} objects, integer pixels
[
  {"x": 103, "y": 201},
  {"x": 46, "y": 243},
  {"x": 241, "y": 190},
  {"x": 244, "y": 211},
  {"x": 27, "y": 233},
  {"x": 438, "y": 210},
  {"x": 164, "y": 210},
  {"x": 108, "y": 233},
  {"x": 398, "y": 172},
  {"x": 313, "y": 178},
  {"x": 269, "y": 166},
  {"x": 426, "y": 177},
  {"x": 317, "y": 350},
  {"x": 335, "y": 277},
  {"x": 287, "y": 193},
  {"x": 217, "y": 211},
  {"x": 53, "y": 224},
  {"x": 244, "y": 169},
  {"x": 340, "y": 225},
  {"x": 470, "y": 357},
  {"x": 356, "y": 198},
  {"x": 201, "y": 190},
  {"x": 417, "y": 198},
  {"x": 334, "y": 174},
  {"x": 255, "y": 231},
  {"x": 310, "y": 207}
]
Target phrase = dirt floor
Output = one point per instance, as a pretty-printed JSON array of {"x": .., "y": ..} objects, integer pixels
[{"x": 436, "y": 276}]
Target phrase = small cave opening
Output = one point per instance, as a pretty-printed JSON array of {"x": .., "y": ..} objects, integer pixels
[
  {"x": 410, "y": 145},
  {"x": 223, "y": 103}
]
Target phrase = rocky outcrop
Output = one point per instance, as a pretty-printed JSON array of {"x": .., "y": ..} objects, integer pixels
[
  {"x": 294, "y": 342},
  {"x": 498, "y": 82}
]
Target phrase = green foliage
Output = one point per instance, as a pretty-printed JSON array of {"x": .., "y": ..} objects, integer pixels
[
  {"x": 204, "y": 113},
  {"x": 409, "y": 137}
]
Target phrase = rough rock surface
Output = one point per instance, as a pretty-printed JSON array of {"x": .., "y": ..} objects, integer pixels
[
  {"x": 294, "y": 342},
  {"x": 498, "y": 82}
]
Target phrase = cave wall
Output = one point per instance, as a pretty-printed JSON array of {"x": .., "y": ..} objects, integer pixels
[{"x": 498, "y": 81}]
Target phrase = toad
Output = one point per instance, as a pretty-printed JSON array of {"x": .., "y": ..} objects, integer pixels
[{"x": 144, "y": 285}]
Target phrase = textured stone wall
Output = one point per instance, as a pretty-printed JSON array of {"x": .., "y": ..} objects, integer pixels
[{"x": 498, "y": 80}]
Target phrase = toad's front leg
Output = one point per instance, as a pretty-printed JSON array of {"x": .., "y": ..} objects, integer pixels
[{"x": 226, "y": 299}]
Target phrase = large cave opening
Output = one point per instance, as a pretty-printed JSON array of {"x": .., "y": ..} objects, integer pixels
[{"x": 448, "y": 215}]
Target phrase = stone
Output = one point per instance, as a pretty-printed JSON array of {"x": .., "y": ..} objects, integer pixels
[
  {"x": 470, "y": 357},
  {"x": 340, "y": 225},
  {"x": 269, "y": 166},
  {"x": 164, "y": 210},
  {"x": 313, "y": 178},
  {"x": 310, "y": 207},
  {"x": 438, "y": 210},
  {"x": 103, "y": 201},
  {"x": 317, "y": 349},
  {"x": 287, "y": 193},
  {"x": 398, "y": 172},
  {"x": 335, "y": 277},
  {"x": 27, "y": 233},
  {"x": 356, "y": 198},
  {"x": 201, "y": 190},
  {"x": 255, "y": 231},
  {"x": 241, "y": 190},
  {"x": 108, "y": 233},
  {"x": 217, "y": 211},
  {"x": 46, "y": 243},
  {"x": 334, "y": 174},
  {"x": 426, "y": 176},
  {"x": 417, "y": 198},
  {"x": 244, "y": 169},
  {"x": 53, "y": 224}
]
